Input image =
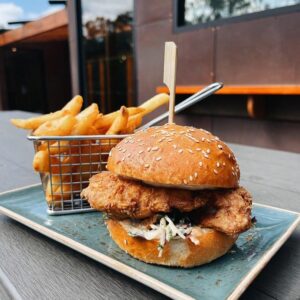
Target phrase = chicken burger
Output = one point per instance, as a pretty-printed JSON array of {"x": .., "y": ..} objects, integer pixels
[{"x": 172, "y": 196}]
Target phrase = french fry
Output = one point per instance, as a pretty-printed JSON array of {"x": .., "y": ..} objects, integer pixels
[
  {"x": 67, "y": 165},
  {"x": 72, "y": 107},
  {"x": 154, "y": 103},
  {"x": 133, "y": 122},
  {"x": 90, "y": 159},
  {"x": 105, "y": 121},
  {"x": 34, "y": 123},
  {"x": 41, "y": 161},
  {"x": 120, "y": 121},
  {"x": 85, "y": 120},
  {"x": 92, "y": 131},
  {"x": 62, "y": 188},
  {"x": 84, "y": 123},
  {"x": 61, "y": 126},
  {"x": 44, "y": 145}
]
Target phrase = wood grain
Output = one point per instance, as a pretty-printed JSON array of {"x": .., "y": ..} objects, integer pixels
[
  {"x": 40, "y": 268},
  {"x": 170, "y": 63}
]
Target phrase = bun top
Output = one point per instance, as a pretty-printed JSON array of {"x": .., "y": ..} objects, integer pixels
[{"x": 176, "y": 156}]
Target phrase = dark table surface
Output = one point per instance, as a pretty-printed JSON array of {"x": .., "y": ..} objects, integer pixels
[{"x": 35, "y": 267}]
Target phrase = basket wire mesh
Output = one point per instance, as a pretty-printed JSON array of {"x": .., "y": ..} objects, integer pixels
[{"x": 70, "y": 162}]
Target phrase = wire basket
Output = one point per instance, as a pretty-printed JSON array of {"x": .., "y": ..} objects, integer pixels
[{"x": 69, "y": 162}]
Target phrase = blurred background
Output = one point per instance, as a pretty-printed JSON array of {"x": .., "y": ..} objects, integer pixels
[{"x": 111, "y": 52}]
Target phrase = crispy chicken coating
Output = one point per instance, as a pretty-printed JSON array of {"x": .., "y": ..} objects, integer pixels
[
  {"x": 228, "y": 211},
  {"x": 124, "y": 198}
]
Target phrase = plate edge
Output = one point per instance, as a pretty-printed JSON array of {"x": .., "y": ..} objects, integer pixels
[
  {"x": 25, "y": 187},
  {"x": 277, "y": 208},
  {"x": 101, "y": 258},
  {"x": 248, "y": 279}
]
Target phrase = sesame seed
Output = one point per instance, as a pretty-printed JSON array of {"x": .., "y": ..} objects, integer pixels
[
  {"x": 192, "y": 138},
  {"x": 224, "y": 164},
  {"x": 203, "y": 139},
  {"x": 229, "y": 156},
  {"x": 124, "y": 150},
  {"x": 196, "y": 175},
  {"x": 191, "y": 178},
  {"x": 109, "y": 153},
  {"x": 208, "y": 151},
  {"x": 220, "y": 146},
  {"x": 198, "y": 149},
  {"x": 174, "y": 146},
  {"x": 126, "y": 141},
  {"x": 232, "y": 168},
  {"x": 125, "y": 242},
  {"x": 217, "y": 138},
  {"x": 218, "y": 164},
  {"x": 149, "y": 149},
  {"x": 200, "y": 163},
  {"x": 158, "y": 158},
  {"x": 233, "y": 174},
  {"x": 184, "y": 181},
  {"x": 206, "y": 156},
  {"x": 139, "y": 140},
  {"x": 162, "y": 139},
  {"x": 215, "y": 171},
  {"x": 147, "y": 165},
  {"x": 131, "y": 141},
  {"x": 169, "y": 140},
  {"x": 191, "y": 151},
  {"x": 208, "y": 140},
  {"x": 129, "y": 154},
  {"x": 123, "y": 158},
  {"x": 180, "y": 151},
  {"x": 141, "y": 151},
  {"x": 181, "y": 132},
  {"x": 155, "y": 148}
]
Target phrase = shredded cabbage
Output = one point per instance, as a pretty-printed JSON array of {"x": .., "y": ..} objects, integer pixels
[{"x": 165, "y": 231}]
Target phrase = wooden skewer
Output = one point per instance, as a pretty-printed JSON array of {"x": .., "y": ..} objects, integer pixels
[{"x": 170, "y": 63}]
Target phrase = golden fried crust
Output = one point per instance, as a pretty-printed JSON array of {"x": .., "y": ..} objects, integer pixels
[
  {"x": 124, "y": 198},
  {"x": 230, "y": 211}
]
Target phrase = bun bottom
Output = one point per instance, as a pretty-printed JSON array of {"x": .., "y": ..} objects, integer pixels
[{"x": 178, "y": 252}]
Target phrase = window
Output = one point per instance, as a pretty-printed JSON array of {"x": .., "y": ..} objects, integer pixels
[
  {"x": 192, "y": 12},
  {"x": 108, "y": 52}
]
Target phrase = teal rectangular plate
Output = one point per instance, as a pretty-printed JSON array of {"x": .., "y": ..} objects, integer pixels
[{"x": 225, "y": 278}]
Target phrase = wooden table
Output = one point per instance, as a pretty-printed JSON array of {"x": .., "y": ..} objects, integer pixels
[{"x": 35, "y": 267}]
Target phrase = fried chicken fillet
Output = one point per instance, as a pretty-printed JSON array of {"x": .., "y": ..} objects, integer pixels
[{"x": 227, "y": 210}]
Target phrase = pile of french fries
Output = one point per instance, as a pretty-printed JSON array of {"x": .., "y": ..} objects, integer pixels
[{"x": 67, "y": 164}]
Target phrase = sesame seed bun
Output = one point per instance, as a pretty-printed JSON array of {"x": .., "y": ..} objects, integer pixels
[
  {"x": 178, "y": 252},
  {"x": 176, "y": 156}
]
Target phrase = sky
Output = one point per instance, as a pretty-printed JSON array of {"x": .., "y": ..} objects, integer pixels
[
  {"x": 108, "y": 9},
  {"x": 14, "y": 10}
]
